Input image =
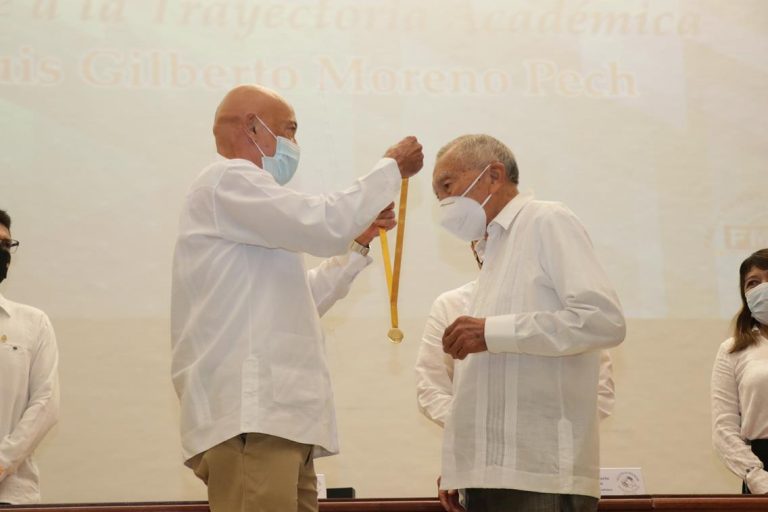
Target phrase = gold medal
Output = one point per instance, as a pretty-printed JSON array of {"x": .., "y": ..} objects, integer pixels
[
  {"x": 395, "y": 335},
  {"x": 393, "y": 275}
]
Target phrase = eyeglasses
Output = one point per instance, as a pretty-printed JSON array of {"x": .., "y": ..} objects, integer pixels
[{"x": 9, "y": 244}]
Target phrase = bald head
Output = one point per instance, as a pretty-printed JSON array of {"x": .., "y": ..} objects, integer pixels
[{"x": 237, "y": 128}]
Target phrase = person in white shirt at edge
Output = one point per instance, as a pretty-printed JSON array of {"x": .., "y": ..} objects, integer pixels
[
  {"x": 740, "y": 382},
  {"x": 29, "y": 386},
  {"x": 248, "y": 355},
  {"x": 522, "y": 430}
]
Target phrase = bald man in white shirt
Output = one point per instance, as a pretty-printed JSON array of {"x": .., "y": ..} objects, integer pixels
[
  {"x": 248, "y": 360},
  {"x": 522, "y": 431},
  {"x": 29, "y": 386}
]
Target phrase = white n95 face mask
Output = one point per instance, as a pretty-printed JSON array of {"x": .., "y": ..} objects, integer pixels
[
  {"x": 283, "y": 164},
  {"x": 757, "y": 300},
  {"x": 464, "y": 217}
]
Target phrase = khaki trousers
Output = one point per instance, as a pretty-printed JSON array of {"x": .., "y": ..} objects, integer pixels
[{"x": 258, "y": 473}]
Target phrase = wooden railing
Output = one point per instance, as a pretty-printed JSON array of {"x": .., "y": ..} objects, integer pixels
[{"x": 668, "y": 503}]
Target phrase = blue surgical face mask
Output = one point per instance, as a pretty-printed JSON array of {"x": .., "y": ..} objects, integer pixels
[{"x": 283, "y": 164}]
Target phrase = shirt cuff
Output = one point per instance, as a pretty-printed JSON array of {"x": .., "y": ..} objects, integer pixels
[
  {"x": 757, "y": 481},
  {"x": 392, "y": 171},
  {"x": 384, "y": 184},
  {"x": 500, "y": 334},
  {"x": 389, "y": 162},
  {"x": 357, "y": 262}
]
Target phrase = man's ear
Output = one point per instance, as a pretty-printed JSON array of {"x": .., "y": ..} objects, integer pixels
[
  {"x": 249, "y": 120},
  {"x": 498, "y": 175}
]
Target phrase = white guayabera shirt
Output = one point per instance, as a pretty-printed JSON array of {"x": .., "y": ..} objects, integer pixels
[
  {"x": 524, "y": 413},
  {"x": 434, "y": 368},
  {"x": 248, "y": 352},
  {"x": 29, "y": 397}
]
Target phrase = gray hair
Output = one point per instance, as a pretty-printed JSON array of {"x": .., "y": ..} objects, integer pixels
[{"x": 480, "y": 150}]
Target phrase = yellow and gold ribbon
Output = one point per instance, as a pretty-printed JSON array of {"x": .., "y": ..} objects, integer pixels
[{"x": 393, "y": 275}]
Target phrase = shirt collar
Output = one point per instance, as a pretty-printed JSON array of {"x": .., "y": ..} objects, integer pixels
[
  {"x": 507, "y": 215},
  {"x": 5, "y": 305}
]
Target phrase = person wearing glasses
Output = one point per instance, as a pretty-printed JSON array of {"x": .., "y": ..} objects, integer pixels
[
  {"x": 29, "y": 386},
  {"x": 740, "y": 382}
]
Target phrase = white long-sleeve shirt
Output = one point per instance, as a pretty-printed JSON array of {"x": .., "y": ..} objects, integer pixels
[
  {"x": 740, "y": 410},
  {"x": 434, "y": 368},
  {"x": 524, "y": 413},
  {"x": 29, "y": 397},
  {"x": 248, "y": 352}
]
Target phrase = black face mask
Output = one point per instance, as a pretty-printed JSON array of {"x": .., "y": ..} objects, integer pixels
[{"x": 5, "y": 260}]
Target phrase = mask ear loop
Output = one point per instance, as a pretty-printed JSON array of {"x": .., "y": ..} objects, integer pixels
[
  {"x": 253, "y": 129},
  {"x": 475, "y": 181},
  {"x": 267, "y": 127},
  {"x": 290, "y": 142}
]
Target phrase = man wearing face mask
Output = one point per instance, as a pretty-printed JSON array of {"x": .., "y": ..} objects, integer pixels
[
  {"x": 29, "y": 386},
  {"x": 248, "y": 360},
  {"x": 434, "y": 368},
  {"x": 522, "y": 429}
]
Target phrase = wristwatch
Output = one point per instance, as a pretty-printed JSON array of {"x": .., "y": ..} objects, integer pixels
[{"x": 359, "y": 248}]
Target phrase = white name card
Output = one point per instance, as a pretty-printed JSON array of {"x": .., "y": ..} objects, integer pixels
[
  {"x": 621, "y": 481},
  {"x": 322, "y": 490}
]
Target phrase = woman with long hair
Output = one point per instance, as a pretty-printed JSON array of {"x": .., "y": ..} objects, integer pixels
[{"x": 740, "y": 382}]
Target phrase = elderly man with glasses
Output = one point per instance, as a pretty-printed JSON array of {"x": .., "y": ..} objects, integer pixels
[{"x": 29, "y": 385}]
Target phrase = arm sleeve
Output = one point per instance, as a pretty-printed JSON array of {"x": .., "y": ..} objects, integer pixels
[
  {"x": 42, "y": 410},
  {"x": 249, "y": 207},
  {"x": 331, "y": 280},
  {"x": 591, "y": 317},
  {"x": 434, "y": 368},
  {"x": 606, "y": 395},
  {"x": 730, "y": 446}
]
